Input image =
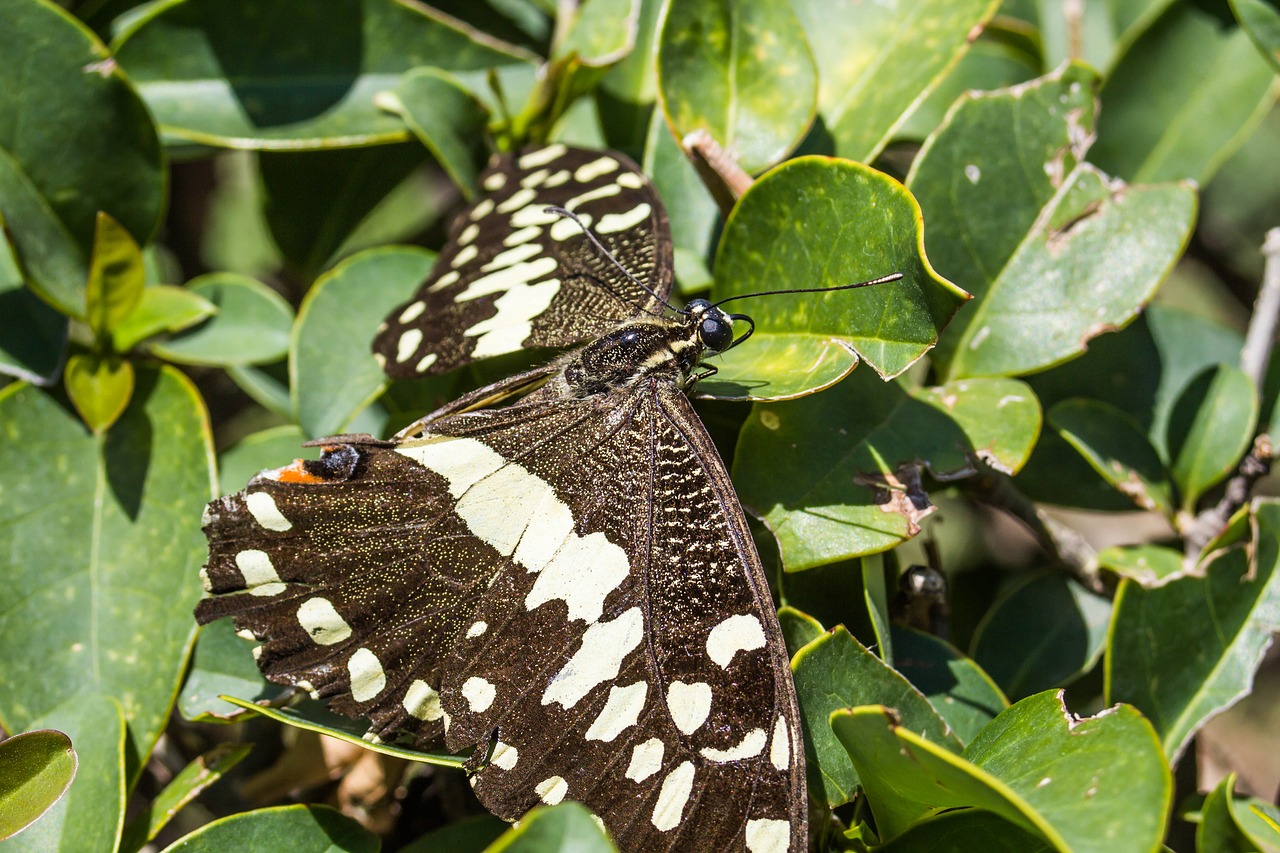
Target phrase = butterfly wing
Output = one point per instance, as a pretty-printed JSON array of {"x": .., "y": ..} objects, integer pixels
[
  {"x": 513, "y": 276},
  {"x": 567, "y": 584}
]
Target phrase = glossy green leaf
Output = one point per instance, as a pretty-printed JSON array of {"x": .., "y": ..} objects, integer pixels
[
  {"x": 819, "y": 222},
  {"x": 1183, "y": 97},
  {"x": 36, "y": 768},
  {"x": 875, "y": 595},
  {"x": 1210, "y": 428},
  {"x": 742, "y": 71},
  {"x": 1115, "y": 446},
  {"x": 88, "y": 817},
  {"x": 206, "y": 770},
  {"x": 691, "y": 210},
  {"x": 1185, "y": 651},
  {"x": 316, "y": 717},
  {"x": 836, "y": 671},
  {"x": 964, "y": 696},
  {"x": 99, "y": 387},
  {"x": 221, "y": 667},
  {"x": 965, "y": 830},
  {"x": 1220, "y": 831},
  {"x": 33, "y": 336},
  {"x": 447, "y": 119},
  {"x": 1261, "y": 20},
  {"x": 627, "y": 94},
  {"x": 251, "y": 327},
  {"x": 304, "y": 75},
  {"x": 299, "y": 829},
  {"x": 75, "y": 139},
  {"x": 566, "y": 828},
  {"x": 819, "y": 471},
  {"x": 600, "y": 32},
  {"x": 1042, "y": 634},
  {"x": 464, "y": 836},
  {"x": 161, "y": 308},
  {"x": 1146, "y": 565},
  {"x": 267, "y": 385},
  {"x": 798, "y": 628},
  {"x": 1081, "y": 784},
  {"x": 333, "y": 374},
  {"x": 116, "y": 277},
  {"x": 313, "y": 200},
  {"x": 866, "y": 87},
  {"x": 103, "y": 552},
  {"x": 1056, "y": 253}
]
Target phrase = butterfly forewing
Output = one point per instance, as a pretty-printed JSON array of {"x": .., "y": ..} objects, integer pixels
[{"x": 514, "y": 276}]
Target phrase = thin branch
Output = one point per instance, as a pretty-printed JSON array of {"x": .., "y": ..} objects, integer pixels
[{"x": 1261, "y": 336}]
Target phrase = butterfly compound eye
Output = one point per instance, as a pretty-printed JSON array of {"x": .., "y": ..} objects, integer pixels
[{"x": 715, "y": 332}]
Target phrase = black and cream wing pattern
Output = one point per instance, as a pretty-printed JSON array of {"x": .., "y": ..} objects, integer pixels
[
  {"x": 564, "y": 584},
  {"x": 513, "y": 275}
]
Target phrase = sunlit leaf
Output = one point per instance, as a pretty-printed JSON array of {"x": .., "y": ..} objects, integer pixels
[
  {"x": 251, "y": 327},
  {"x": 299, "y": 829},
  {"x": 36, "y": 768}
]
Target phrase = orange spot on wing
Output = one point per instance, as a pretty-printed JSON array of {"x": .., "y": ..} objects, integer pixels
[{"x": 296, "y": 473}]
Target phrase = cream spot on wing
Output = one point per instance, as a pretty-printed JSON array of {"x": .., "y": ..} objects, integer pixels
[
  {"x": 552, "y": 791},
  {"x": 741, "y": 633},
  {"x": 780, "y": 749},
  {"x": 408, "y": 345},
  {"x": 523, "y": 252},
  {"x": 444, "y": 281},
  {"x": 751, "y": 745},
  {"x": 630, "y": 180},
  {"x": 367, "y": 677},
  {"x": 534, "y": 214},
  {"x": 422, "y": 702},
  {"x": 468, "y": 234},
  {"x": 321, "y": 620},
  {"x": 689, "y": 705},
  {"x": 259, "y": 575},
  {"x": 542, "y": 156},
  {"x": 518, "y": 200},
  {"x": 675, "y": 792},
  {"x": 521, "y": 236},
  {"x": 426, "y": 362},
  {"x": 507, "y": 278},
  {"x": 597, "y": 660},
  {"x": 584, "y": 593},
  {"x": 612, "y": 222},
  {"x": 496, "y": 181},
  {"x": 504, "y": 755},
  {"x": 264, "y": 511},
  {"x": 478, "y": 693},
  {"x": 205, "y": 582},
  {"x": 476, "y": 629},
  {"x": 534, "y": 178},
  {"x": 483, "y": 208},
  {"x": 606, "y": 191},
  {"x": 595, "y": 169},
  {"x": 557, "y": 179},
  {"x": 465, "y": 256},
  {"x": 646, "y": 759},
  {"x": 620, "y": 712},
  {"x": 413, "y": 312},
  {"x": 566, "y": 228},
  {"x": 768, "y": 836}
]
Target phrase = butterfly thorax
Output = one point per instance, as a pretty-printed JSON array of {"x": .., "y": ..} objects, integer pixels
[{"x": 647, "y": 347}]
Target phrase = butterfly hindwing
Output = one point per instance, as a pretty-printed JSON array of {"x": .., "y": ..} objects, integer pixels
[{"x": 513, "y": 276}]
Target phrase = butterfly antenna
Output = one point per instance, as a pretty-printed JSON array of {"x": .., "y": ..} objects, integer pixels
[
  {"x": 882, "y": 280},
  {"x": 569, "y": 214}
]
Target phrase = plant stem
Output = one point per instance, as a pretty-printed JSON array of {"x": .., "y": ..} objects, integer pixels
[{"x": 722, "y": 175}]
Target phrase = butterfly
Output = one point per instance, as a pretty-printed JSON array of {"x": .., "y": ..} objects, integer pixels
[{"x": 553, "y": 571}]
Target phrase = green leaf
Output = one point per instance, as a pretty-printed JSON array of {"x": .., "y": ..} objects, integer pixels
[
  {"x": 1055, "y": 251},
  {"x": 836, "y": 671},
  {"x": 1210, "y": 429},
  {"x": 865, "y": 88},
  {"x": 162, "y": 308},
  {"x": 798, "y": 628},
  {"x": 267, "y": 385},
  {"x": 1147, "y": 565},
  {"x": 36, "y": 768},
  {"x": 1185, "y": 651},
  {"x": 88, "y": 817},
  {"x": 964, "y": 696},
  {"x": 304, "y": 75},
  {"x": 316, "y": 717},
  {"x": 464, "y": 836},
  {"x": 206, "y": 770},
  {"x": 258, "y": 451},
  {"x": 1183, "y": 97},
  {"x": 1115, "y": 446},
  {"x": 447, "y": 119},
  {"x": 75, "y": 139},
  {"x": 299, "y": 829},
  {"x": 33, "y": 336},
  {"x": 627, "y": 93},
  {"x": 819, "y": 470},
  {"x": 964, "y": 830},
  {"x": 1220, "y": 830},
  {"x": 565, "y": 828},
  {"x": 691, "y": 210},
  {"x": 598, "y": 32},
  {"x": 1078, "y": 783},
  {"x": 743, "y": 72},
  {"x": 1064, "y": 639},
  {"x": 116, "y": 277},
  {"x": 103, "y": 553},
  {"x": 313, "y": 200},
  {"x": 332, "y": 371},
  {"x": 100, "y": 388},
  {"x": 221, "y": 667},
  {"x": 1261, "y": 20},
  {"x": 819, "y": 222},
  {"x": 251, "y": 327}
]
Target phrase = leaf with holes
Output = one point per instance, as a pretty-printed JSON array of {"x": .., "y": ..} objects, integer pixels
[
  {"x": 1146, "y": 565},
  {"x": 1056, "y": 254}
]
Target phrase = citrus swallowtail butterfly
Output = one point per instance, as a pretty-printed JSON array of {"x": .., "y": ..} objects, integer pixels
[{"x": 555, "y": 569}]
